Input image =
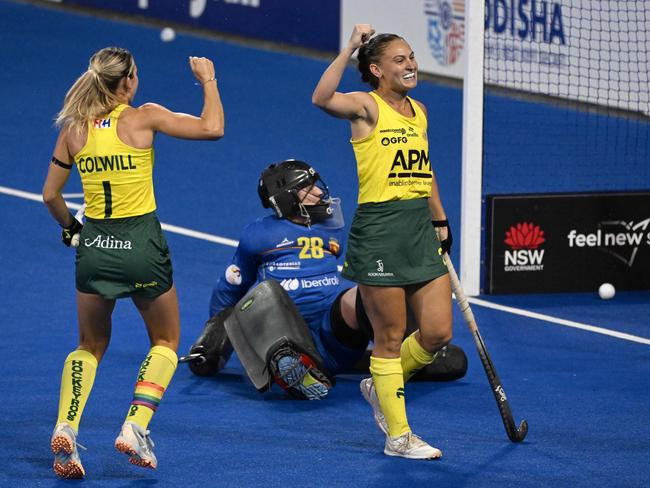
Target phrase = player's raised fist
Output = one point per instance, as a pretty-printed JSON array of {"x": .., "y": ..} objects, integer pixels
[{"x": 361, "y": 33}]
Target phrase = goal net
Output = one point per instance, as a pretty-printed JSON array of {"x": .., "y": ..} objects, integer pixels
[{"x": 563, "y": 95}]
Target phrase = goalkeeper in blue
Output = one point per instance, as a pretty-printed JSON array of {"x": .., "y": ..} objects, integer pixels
[{"x": 281, "y": 303}]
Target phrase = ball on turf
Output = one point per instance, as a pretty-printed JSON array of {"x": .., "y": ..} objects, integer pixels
[
  {"x": 167, "y": 34},
  {"x": 606, "y": 291}
]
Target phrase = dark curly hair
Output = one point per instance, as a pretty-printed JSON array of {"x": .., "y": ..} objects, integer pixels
[{"x": 370, "y": 52}]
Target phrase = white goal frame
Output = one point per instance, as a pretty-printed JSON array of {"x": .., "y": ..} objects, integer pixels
[{"x": 472, "y": 151}]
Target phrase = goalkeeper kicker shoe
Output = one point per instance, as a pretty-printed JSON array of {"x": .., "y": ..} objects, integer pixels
[
  {"x": 296, "y": 376},
  {"x": 368, "y": 391},
  {"x": 410, "y": 446},
  {"x": 136, "y": 443},
  {"x": 64, "y": 447}
]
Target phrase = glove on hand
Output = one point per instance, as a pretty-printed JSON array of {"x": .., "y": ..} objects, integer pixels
[
  {"x": 446, "y": 243},
  {"x": 68, "y": 232}
]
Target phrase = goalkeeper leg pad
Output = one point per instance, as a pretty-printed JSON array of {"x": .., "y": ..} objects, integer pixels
[{"x": 264, "y": 327}]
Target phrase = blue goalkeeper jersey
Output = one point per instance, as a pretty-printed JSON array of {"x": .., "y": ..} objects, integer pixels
[{"x": 304, "y": 260}]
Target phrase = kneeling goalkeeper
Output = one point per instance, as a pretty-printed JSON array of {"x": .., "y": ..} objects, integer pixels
[{"x": 281, "y": 303}]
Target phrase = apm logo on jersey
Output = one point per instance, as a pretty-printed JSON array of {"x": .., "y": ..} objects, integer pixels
[
  {"x": 446, "y": 29},
  {"x": 619, "y": 238},
  {"x": 524, "y": 240},
  {"x": 102, "y": 123},
  {"x": 413, "y": 163}
]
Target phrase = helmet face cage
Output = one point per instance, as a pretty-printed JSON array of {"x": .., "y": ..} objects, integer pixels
[{"x": 279, "y": 185}]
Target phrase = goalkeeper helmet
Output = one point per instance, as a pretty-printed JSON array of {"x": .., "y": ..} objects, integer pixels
[{"x": 279, "y": 188}]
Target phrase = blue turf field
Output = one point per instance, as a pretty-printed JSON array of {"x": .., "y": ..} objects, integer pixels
[{"x": 585, "y": 395}]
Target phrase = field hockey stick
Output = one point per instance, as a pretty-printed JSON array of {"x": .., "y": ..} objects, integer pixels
[
  {"x": 514, "y": 434},
  {"x": 74, "y": 242}
]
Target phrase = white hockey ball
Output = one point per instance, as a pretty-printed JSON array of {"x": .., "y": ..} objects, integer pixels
[
  {"x": 606, "y": 291},
  {"x": 167, "y": 34}
]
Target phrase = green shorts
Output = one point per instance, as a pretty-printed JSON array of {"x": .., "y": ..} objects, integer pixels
[
  {"x": 393, "y": 244},
  {"x": 119, "y": 258}
]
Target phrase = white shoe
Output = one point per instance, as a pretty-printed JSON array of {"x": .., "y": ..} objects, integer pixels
[
  {"x": 410, "y": 446},
  {"x": 367, "y": 387},
  {"x": 136, "y": 443},
  {"x": 66, "y": 457}
]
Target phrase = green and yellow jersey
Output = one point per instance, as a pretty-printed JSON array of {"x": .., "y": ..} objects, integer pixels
[
  {"x": 393, "y": 160},
  {"x": 117, "y": 179}
]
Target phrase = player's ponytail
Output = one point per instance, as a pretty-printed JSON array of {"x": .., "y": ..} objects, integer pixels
[{"x": 93, "y": 94}]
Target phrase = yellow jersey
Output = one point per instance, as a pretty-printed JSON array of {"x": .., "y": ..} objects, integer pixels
[
  {"x": 117, "y": 179},
  {"x": 393, "y": 160}
]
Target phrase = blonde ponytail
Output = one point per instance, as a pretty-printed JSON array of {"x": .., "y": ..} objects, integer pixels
[{"x": 95, "y": 92}]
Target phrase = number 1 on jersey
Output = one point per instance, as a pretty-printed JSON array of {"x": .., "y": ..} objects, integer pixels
[{"x": 108, "y": 199}]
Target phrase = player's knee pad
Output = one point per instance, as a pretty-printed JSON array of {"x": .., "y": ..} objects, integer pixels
[
  {"x": 449, "y": 364},
  {"x": 211, "y": 351},
  {"x": 264, "y": 326}
]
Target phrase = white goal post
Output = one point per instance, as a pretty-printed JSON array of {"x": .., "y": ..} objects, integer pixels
[{"x": 472, "y": 152}]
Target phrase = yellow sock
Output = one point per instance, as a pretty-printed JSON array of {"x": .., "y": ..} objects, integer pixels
[
  {"x": 155, "y": 374},
  {"x": 76, "y": 382},
  {"x": 389, "y": 384},
  {"x": 413, "y": 356}
]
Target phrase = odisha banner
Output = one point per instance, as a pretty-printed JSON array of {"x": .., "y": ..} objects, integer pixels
[
  {"x": 568, "y": 242},
  {"x": 593, "y": 51}
]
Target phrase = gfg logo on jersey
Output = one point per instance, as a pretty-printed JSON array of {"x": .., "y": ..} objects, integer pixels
[
  {"x": 524, "y": 240},
  {"x": 446, "y": 29},
  {"x": 387, "y": 141}
]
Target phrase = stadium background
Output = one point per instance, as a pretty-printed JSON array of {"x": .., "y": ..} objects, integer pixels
[{"x": 584, "y": 394}]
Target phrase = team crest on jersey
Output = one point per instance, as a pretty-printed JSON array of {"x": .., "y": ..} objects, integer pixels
[
  {"x": 233, "y": 275},
  {"x": 334, "y": 246},
  {"x": 102, "y": 123}
]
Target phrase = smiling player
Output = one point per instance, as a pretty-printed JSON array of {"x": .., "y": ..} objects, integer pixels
[{"x": 393, "y": 252}]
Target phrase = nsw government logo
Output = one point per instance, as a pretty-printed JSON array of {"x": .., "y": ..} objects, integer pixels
[
  {"x": 445, "y": 29},
  {"x": 524, "y": 254}
]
